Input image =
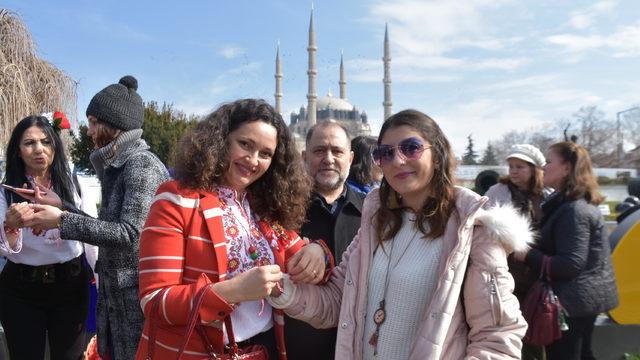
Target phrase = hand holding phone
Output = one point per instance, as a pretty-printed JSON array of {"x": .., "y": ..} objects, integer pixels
[{"x": 17, "y": 190}]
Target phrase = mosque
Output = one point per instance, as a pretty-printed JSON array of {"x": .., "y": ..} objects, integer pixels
[{"x": 329, "y": 107}]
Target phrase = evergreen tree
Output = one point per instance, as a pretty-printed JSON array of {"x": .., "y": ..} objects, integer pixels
[
  {"x": 81, "y": 148},
  {"x": 489, "y": 156},
  {"x": 163, "y": 128},
  {"x": 469, "y": 157}
]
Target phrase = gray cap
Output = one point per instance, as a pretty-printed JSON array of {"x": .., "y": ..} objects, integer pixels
[{"x": 119, "y": 105}]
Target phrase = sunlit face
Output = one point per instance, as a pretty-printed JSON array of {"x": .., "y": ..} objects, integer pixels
[
  {"x": 520, "y": 173},
  {"x": 36, "y": 151},
  {"x": 328, "y": 157},
  {"x": 251, "y": 150},
  {"x": 556, "y": 171},
  {"x": 408, "y": 176}
]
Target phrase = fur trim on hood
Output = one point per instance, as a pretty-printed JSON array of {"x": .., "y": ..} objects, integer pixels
[{"x": 506, "y": 225}]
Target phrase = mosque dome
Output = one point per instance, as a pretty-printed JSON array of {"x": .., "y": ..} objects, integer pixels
[{"x": 333, "y": 103}]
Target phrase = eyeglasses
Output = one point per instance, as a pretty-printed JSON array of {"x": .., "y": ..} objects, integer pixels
[{"x": 409, "y": 149}]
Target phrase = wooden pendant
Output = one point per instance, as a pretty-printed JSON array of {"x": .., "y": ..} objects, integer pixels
[{"x": 374, "y": 339}]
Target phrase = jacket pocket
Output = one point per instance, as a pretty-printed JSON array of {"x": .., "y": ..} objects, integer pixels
[{"x": 495, "y": 301}]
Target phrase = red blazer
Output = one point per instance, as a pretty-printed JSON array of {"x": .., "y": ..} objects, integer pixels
[{"x": 183, "y": 248}]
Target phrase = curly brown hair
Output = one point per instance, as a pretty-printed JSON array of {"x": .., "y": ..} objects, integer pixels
[
  {"x": 280, "y": 195},
  {"x": 432, "y": 218},
  {"x": 581, "y": 183}
]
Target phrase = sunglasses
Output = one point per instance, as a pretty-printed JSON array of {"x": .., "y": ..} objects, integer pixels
[{"x": 408, "y": 149}]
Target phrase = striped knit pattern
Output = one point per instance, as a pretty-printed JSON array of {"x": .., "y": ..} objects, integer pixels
[{"x": 183, "y": 248}]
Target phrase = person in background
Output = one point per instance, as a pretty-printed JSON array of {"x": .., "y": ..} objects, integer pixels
[
  {"x": 364, "y": 174},
  {"x": 523, "y": 189},
  {"x": 130, "y": 175},
  {"x": 333, "y": 215},
  {"x": 573, "y": 236},
  {"x": 426, "y": 277},
  {"x": 44, "y": 288},
  {"x": 221, "y": 224}
]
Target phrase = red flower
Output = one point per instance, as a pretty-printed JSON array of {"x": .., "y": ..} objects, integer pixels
[{"x": 60, "y": 119}]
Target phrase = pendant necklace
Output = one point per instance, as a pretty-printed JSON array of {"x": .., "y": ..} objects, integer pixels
[{"x": 380, "y": 315}]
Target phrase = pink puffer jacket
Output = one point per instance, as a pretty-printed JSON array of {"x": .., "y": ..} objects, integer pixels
[{"x": 472, "y": 317}]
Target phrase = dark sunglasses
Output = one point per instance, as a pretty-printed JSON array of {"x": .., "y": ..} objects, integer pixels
[{"x": 408, "y": 149}]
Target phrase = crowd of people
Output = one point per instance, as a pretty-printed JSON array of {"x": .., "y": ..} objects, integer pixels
[{"x": 358, "y": 248}]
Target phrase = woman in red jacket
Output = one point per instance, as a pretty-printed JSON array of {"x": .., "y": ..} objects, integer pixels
[{"x": 221, "y": 224}]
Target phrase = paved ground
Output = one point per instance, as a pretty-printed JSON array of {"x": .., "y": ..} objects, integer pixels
[{"x": 611, "y": 341}]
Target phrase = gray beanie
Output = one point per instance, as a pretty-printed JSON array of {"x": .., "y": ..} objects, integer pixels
[{"x": 119, "y": 105}]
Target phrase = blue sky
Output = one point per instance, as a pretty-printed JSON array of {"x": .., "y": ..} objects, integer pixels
[{"x": 480, "y": 67}]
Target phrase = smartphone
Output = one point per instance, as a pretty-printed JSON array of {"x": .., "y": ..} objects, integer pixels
[{"x": 18, "y": 191}]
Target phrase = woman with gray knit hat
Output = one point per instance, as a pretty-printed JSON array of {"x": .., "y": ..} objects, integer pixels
[
  {"x": 130, "y": 175},
  {"x": 523, "y": 189}
]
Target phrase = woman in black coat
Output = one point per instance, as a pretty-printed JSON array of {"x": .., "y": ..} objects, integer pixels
[{"x": 574, "y": 237}]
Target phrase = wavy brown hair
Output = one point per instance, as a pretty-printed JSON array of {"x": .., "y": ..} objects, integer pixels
[
  {"x": 281, "y": 194},
  {"x": 432, "y": 219},
  {"x": 536, "y": 184},
  {"x": 581, "y": 183}
]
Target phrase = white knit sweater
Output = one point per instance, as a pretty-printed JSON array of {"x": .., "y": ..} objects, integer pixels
[{"x": 412, "y": 281}]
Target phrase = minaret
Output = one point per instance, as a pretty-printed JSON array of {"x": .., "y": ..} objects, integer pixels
[
  {"x": 278, "y": 93},
  {"x": 343, "y": 83},
  {"x": 311, "y": 94},
  {"x": 387, "y": 75}
]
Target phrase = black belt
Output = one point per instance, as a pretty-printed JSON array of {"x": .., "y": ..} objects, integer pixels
[{"x": 45, "y": 273}]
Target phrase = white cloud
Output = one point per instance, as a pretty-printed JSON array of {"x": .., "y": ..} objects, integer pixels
[
  {"x": 230, "y": 52},
  {"x": 436, "y": 27},
  {"x": 624, "y": 42},
  {"x": 584, "y": 18}
]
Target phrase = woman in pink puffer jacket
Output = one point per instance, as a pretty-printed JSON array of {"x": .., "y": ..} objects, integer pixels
[{"x": 426, "y": 277}]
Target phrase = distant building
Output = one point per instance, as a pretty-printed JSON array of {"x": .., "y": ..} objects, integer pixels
[{"x": 329, "y": 107}]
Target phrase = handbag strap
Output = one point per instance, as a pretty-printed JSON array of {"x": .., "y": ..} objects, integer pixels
[
  {"x": 545, "y": 270},
  {"x": 193, "y": 323},
  {"x": 151, "y": 342}
]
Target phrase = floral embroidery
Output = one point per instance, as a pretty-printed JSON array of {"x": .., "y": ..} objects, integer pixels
[{"x": 242, "y": 233}]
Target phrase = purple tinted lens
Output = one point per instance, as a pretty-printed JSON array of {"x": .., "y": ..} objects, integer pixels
[
  {"x": 410, "y": 148},
  {"x": 383, "y": 153}
]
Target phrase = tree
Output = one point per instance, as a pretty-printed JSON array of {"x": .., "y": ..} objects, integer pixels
[
  {"x": 28, "y": 84},
  {"x": 489, "y": 157},
  {"x": 469, "y": 157},
  {"x": 81, "y": 148},
  {"x": 163, "y": 128}
]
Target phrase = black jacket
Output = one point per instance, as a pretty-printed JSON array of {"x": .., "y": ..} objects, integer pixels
[
  {"x": 303, "y": 342},
  {"x": 573, "y": 234}
]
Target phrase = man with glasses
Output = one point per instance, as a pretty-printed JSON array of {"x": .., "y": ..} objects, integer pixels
[{"x": 333, "y": 216}]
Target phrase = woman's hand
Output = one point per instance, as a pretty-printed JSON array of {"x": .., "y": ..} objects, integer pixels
[
  {"x": 18, "y": 215},
  {"x": 254, "y": 284},
  {"x": 45, "y": 217},
  {"x": 307, "y": 266},
  {"x": 42, "y": 195}
]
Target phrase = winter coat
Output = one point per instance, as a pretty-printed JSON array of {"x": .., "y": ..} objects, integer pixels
[
  {"x": 472, "y": 314},
  {"x": 128, "y": 186},
  {"x": 183, "y": 249},
  {"x": 582, "y": 277}
]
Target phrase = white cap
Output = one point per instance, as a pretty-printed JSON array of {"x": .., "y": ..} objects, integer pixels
[{"x": 528, "y": 153}]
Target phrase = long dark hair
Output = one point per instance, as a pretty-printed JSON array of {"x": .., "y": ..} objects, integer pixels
[
  {"x": 281, "y": 194},
  {"x": 440, "y": 204},
  {"x": 581, "y": 183},
  {"x": 15, "y": 170},
  {"x": 360, "y": 170}
]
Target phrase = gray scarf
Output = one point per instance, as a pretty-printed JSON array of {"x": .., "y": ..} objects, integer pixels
[{"x": 106, "y": 155}]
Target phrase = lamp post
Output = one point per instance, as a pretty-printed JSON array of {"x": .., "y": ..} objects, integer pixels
[{"x": 619, "y": 149}]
